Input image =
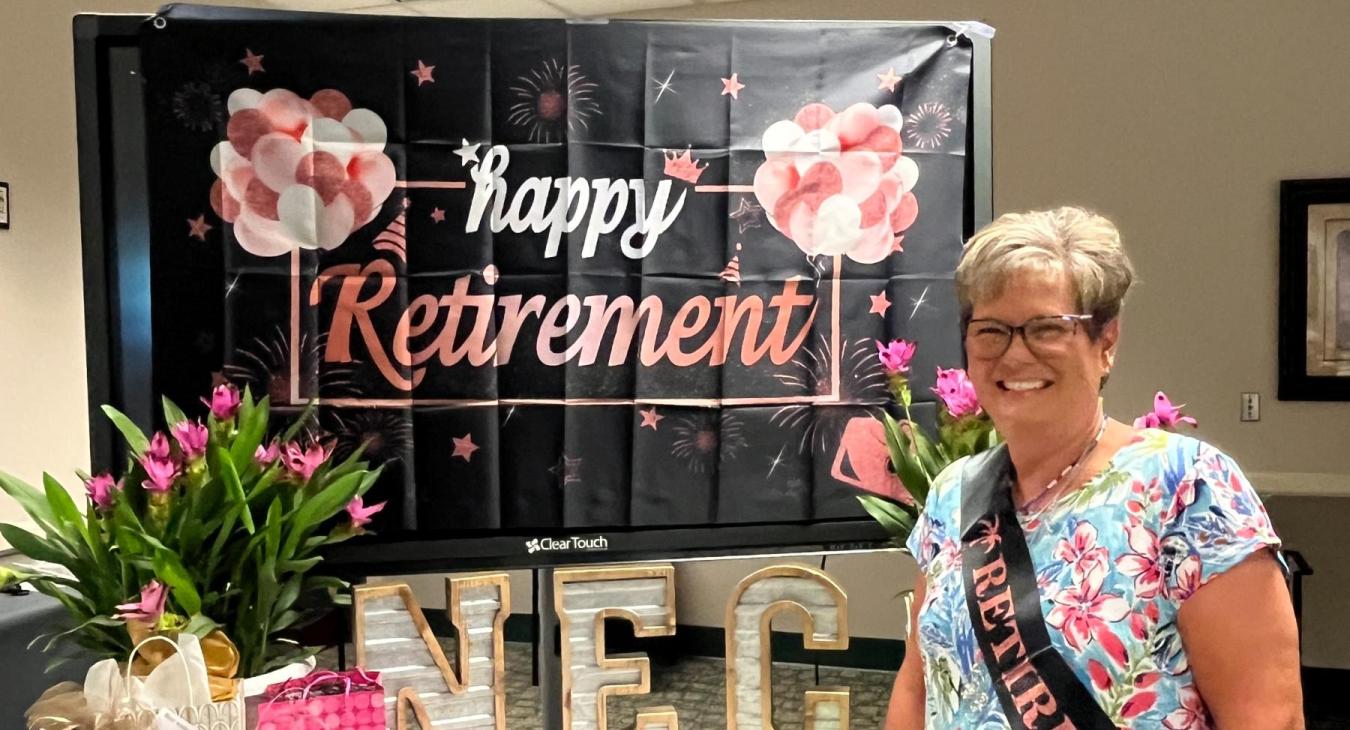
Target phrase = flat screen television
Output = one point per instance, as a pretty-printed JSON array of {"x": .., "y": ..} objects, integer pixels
[{"x": 589, "y": 291}]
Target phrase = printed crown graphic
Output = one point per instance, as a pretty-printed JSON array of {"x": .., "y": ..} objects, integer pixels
[{"x": 683, "y": 166}]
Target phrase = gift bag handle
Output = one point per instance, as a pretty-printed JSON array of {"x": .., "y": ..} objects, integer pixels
[{"x": 126, "y": 679}]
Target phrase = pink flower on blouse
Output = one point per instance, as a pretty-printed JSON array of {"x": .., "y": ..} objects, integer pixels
[
  {"x": 1082, "y": 553},
  {"x": 1142, "y": 564},
  {"x": 1082, "y": 612},
  {"x": 1138, "y": 704},
  {"x": 1192, "y": 713},
  {"x": 1185, "y": 578},
  {"x": 1184, "y": 497}
]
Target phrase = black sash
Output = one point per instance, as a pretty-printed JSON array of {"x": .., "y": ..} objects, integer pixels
[{"x": 1037, "y": 689}]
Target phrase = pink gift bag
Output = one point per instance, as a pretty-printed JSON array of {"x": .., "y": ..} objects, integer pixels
[{"x": 325, "y": 700}]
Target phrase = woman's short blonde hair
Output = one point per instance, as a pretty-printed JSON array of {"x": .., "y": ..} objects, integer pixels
[{"x": 1077, "y": 242}]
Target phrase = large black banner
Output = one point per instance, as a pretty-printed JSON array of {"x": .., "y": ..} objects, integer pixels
[{"x": 562, "y": 275}]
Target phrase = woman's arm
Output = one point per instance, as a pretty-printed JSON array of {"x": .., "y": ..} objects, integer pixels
[
  {"x": 1242, "y": 643},
  {"x": 907, "y": 699}
]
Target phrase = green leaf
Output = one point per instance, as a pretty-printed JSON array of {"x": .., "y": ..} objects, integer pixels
[
  {"x": 233, "y": 487},
  {"x": 300, "y": 422},
  {"x": 63, "y": 507},
  {"x": 328, "y": 502},
  {"x": 136, "y": 439},
  {"x": 29, "y": 498},
  {"x": 252, "y": 430},
  {"x": 170, "y": 569},
  {"x": 34, "y": 547},
  {"x": 897, "y": 522},
  {"x": 299, "y": 566},
  {"x": 200, "y": 625},
  {"x": 907, "y": 465},
  {"x": 286, "y": 598},
  {"x": 172, "y": 413}
]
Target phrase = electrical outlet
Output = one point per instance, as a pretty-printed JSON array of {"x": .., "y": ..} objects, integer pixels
[{"x": 1251, "y": 406}]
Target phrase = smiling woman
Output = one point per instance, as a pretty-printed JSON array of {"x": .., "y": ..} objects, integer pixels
[{"x": 1086, "y": 573}]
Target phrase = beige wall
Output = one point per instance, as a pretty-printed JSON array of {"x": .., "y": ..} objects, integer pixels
[{"x": 1177, "y": 119}]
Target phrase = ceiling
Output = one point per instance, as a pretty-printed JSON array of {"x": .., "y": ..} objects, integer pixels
[{"x": 485, "y": 8}]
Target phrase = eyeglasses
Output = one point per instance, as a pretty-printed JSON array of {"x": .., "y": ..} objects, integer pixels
[{"x": 988, "y": 339}]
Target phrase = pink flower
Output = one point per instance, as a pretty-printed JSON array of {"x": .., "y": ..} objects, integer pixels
[
  {"x": 1186, "y": 578},
  {"x": 265, "y": 456},
  {"x": 1142, "y": 564},
  {"x": 1163, "y": 415},
  {"x": 361, "y": 514},
  {"x": 957, "y": 393},
  {"x": 1082, "y": 613},
  {"x": 102, "y": 491},
  {"x": 159, "y": 447},
  {"x": 191, "y": 438},
  {"x": 224, "y": 402},
  {"x": 1138, "y": 704},
  {"x": 149, "y": 608},
  {"x": 1082, "y": 553},
  {"x": 159, "y": 473},
  {"x": 895, "y": 357},
  {"x": 1191, "y": 714},
  {"x": 304, "y": 462}
]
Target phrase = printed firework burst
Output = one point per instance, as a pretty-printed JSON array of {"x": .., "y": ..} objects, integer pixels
[
  {"x": 264, "y": 365},
  {"x": 552, "y": 101},
  {"x": 386, "y": 433},
  {"x": 929, "y": 126},
  {"x": 198, "y": 107},
  {"x": 702, "y": 440},
  {"x": 862, "y": 382}
]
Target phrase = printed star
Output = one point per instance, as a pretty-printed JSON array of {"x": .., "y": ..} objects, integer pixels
[
  {"x": 467, "y": 152},
  {"x": 423, "y": 73},
  {"x": 889, "y": 80},
  {"x": 229, "y": 289},
  {"x": 898, "y": 245},
  {"x": 775, "y": 461},
  {"x": 438, "y": 215},
  {"x": 746, "y": 215},
  {"x": 732, "y": 86},
  {"x": 567, "y": 470},
  {"x": 663, "y": 86},
  {"x": 464, "y": 447},
  {"x": 406, "y": 202},
  {"x": 879, "y": 304},
  {"x": 252, "y": 61},
  {"x": 923, "y": 297},
  {"x": 197, "y": 227},
  {"x": 650, "y": 418}
]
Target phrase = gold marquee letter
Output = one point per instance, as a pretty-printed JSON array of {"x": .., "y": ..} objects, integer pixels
[
  {"x": 760, "y": 596},
  {"x": 584, "y": 598},
  {"x": 393, "y": 638}
]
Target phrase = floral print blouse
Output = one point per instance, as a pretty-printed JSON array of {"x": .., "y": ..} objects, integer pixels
[{"x": 1114, "y": 560}]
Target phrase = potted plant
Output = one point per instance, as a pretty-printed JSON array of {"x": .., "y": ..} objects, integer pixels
[{"x": 213, "y": 528}]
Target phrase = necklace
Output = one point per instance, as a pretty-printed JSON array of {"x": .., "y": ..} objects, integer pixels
[{"x": 1034, "y": 502}]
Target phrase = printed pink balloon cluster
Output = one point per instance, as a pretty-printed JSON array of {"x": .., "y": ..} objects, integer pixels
[
  {"x": 838, "y": 183},
  {"x": 299, "y": 173}
]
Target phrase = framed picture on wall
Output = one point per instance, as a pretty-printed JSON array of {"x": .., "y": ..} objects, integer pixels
[
  {"x": 4, "y": 205},
  {"x": 1314, "y": 331}
]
